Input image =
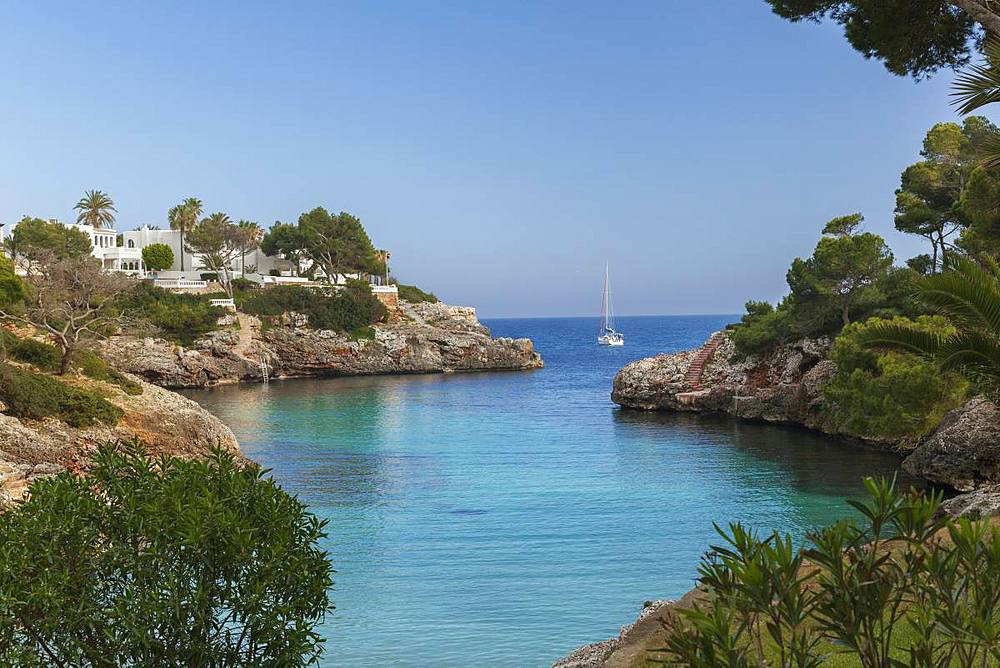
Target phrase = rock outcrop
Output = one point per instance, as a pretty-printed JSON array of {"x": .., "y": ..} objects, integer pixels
[
  {"x": 165, "y": 422},
  {"x": 964, "y": 451},
  {"x": 781, "y": 386},
  {"x": 427, "y": 338}
]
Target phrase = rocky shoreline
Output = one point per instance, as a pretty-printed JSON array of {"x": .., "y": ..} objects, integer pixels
[{"x": 420, "y": 338}]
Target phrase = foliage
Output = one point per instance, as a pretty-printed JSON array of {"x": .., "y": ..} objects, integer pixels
[
  {"x": 158, "y": 257},
  {"x": 891, "y": 394},
  {"x": 761, "y": 328},
  {"x": 97, "y": 209},
  {"x": 11, "y": 285},
  {"x": 33, "y": 239},
  {"x": 345, "y": 309},
  {"x": 244, "y": 284},
  {"x": 249, "y": 236},
  {"x": 889, "y": 592},
  {"x": 910, "y": 37},
  {"x": 285, "y": 240},
  {"x": 183, "y": 217},
  {"x": 337, "y": 244},
  {"x": 37, "y": 396},
  {"x": 46, "y": 357},
  {"x": 93, "y": 366},
  {"x": 164, "y": 562},
  {"x": 415, "y": 295},
  {"x": 968, "y": 296},
  {"x": 180, "y": 317}
]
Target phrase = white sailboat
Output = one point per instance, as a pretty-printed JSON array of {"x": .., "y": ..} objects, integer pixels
[{"x": 607, "y": 336}]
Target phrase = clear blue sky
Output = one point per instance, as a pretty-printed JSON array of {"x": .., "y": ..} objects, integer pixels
[{"x": 502, "y": 150}]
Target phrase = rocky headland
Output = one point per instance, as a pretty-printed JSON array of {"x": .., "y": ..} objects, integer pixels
[
  {"x": 418, "y": 338},
  {"x": 165, "y": 423}
]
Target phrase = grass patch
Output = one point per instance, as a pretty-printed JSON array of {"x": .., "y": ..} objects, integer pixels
[
  {"x": 37, "y": 396},
  {"x": 93, "y": 366},
  {"x": 363, "y": 334}
]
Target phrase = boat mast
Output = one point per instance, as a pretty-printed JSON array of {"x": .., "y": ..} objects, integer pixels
[{"x": 609, "y": 318}]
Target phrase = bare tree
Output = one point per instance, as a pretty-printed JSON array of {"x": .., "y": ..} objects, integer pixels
[{"x": 73, "y": 300}]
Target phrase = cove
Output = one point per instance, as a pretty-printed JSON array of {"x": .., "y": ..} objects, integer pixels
[{"x": 506, "y": 518}]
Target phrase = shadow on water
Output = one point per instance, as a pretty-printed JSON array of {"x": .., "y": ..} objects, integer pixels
[{"x": 810, "y": 460}]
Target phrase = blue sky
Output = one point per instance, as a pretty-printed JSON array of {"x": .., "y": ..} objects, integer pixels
[{"x": 502, "y": 150}]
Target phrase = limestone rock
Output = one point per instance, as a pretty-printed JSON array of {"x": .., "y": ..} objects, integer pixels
[
  {"x": 980, "y": 503},
  {"x": 427, "y": 338},
  {"x": 964, "y": 451}
]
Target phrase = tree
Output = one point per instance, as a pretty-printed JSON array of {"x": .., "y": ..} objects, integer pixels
[
  {"x": 968, "y": 296},
  {"x": 183, "y": 217},
  {"x": 844, "y": 270},
  {"x": 219, "y": 242},
  {"x": 96, "y": 209},
  {"x": 250, "y": 237},
  {"x": 337, "y": 244},
  {"x": 162, "y": 562},
  {"x": 34, "y": 238},
  {"x": 932, "y": 200},
  {"x": 911, "y": 37},
  {"x": 72, "y": 299},
  {"x": 158, "y": 257},
  {"x": 285, "y": 240}
]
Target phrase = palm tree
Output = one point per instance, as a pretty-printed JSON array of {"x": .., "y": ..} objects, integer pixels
[
  {"x": 183, "y": 217},
  {"x": 250, "y": 236},
  {"x": 968, "y": 295},
  {"x": 977, "y": 87},
  {"x": 96, "y": 208}
]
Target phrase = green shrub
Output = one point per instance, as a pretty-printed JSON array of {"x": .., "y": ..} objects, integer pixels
[
  {"x": 415, "y": 295},
  {"x": 180, "y": 317},
  {"x": 892, "y": 394},
  {"x": 162, "y": 562},
  {"x": 158, "y": 257},
  {"x": 209, "y": 276},
  {"x": 36, "y": 396},
  {"x": 44, "y": 356},
  {"x": 762, "y": 328},
  {"x": 345, "y": 309},
  {"x": 274, "y": 272},
  {"x": 93, "y": 366},
  {"x": 241, "y": 284},
  {"x": 363, "y": 334}
]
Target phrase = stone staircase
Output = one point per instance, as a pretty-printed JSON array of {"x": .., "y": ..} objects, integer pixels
[{"x": 703, "y": 357}]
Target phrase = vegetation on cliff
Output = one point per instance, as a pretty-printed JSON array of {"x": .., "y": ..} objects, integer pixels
[
  {"x": 907, "y": 587},
  {"x": 345, "y": 310},
  {"x": 161, "y": 562}
]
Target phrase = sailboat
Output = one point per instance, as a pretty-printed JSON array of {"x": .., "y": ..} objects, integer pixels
[{"x": 607, "y": 336}]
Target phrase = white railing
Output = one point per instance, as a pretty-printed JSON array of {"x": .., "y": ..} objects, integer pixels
[
  {"x": 284, "y": 279},
  {"x": 388, "y": 289},
  {"x": 224, "y": 303},
  {"x": 178, "y": 283}
]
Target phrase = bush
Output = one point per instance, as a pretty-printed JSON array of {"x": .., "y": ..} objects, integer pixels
[
  {"x": 243, "y": 284},
  {"x": 894, "y": 395},
  {"x": 345, "y": 309},
  {"x": 907, "y": 588},
  {"x": 415, "y": 295},
  {"x": 180, "y": 317},
  {"x": 93, "y": 366},
  {"x": 274, "y": 272},
  {"x": 158, "y": 257},
  {"x": 161, "y": 562},
  {"x": 44, "y": 356},
  {"x": 762, "y": 327},
  {"x": 211, "y": 277},
  {"x": 36, "y": 396}
]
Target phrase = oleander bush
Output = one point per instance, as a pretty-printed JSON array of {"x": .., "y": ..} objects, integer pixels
[
  {"x": 181, "y": 318},
  {"x": 891, "y": 394},
  {"x": 904, "y": 587},
  {"x": 36, "y": 396},
  {"x": 161, "y": 562}
]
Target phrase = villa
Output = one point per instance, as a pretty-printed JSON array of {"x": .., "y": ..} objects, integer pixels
[{"x": 122, "y": 252}]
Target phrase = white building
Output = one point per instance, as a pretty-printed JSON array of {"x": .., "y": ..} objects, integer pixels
[{"x": 127, "y": 257}]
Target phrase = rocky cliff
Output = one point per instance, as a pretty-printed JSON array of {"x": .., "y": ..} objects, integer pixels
[
  {"x": 784, "y": 385},
  {"x": 422, "y": 338},
  {"x": 165, "y": 422}
]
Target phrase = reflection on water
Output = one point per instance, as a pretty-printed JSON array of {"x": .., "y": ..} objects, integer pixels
[{"x": 505, "y": 518}]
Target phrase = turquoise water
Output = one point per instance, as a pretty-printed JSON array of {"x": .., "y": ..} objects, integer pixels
[{"x": 504, "y": 518}]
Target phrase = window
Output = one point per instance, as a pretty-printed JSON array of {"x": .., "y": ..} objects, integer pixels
[{"x": 131, "y": 244}]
